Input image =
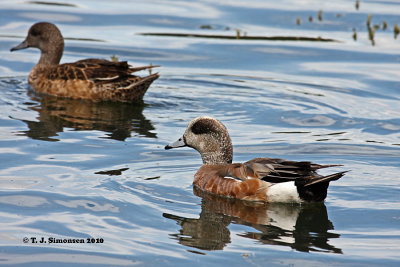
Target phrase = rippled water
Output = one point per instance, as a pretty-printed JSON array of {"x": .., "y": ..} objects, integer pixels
[{"x": 77, "y": 169}]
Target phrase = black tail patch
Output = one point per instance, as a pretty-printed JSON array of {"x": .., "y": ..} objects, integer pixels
[{"x": 315, "y": 190}]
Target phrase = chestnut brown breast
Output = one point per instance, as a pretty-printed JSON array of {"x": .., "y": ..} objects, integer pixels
[{"x": 209, "y": 179}]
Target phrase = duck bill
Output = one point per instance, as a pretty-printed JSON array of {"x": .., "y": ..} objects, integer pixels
[
  {"x": 179, "y": 143},
  {"x": 22, "y": 45}
]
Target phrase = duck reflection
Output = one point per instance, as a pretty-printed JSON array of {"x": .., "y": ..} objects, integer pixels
[
  {"x": 301, "y": 227},
  {"x": 119, "y": 120}
]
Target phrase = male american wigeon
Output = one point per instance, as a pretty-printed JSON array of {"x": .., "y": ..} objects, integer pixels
[
  {"x": 95, "y": 79},
  {"x": 260, "y": 179}
]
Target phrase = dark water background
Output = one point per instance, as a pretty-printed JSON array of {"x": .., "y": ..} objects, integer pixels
[{"x": 76, "y": 169}]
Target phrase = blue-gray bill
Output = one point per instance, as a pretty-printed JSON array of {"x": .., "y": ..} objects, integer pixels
[{"x": 179, "y": 143}]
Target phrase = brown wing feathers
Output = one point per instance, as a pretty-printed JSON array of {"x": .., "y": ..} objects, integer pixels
[{"x": 98, "y": 70}]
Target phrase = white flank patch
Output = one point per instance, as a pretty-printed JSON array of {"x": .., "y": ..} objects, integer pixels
[
  {"x": 283, "y": 192},
  {"x": 233, "y": 178}
]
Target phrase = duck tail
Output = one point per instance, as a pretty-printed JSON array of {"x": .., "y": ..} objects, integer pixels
[
  {"x": 134, "y": 88},
  {"x": 144, "y": 81},
  {"x": 315, "y": 167},
  {"x": 135, "y": 69},
  {"x": 316, "y": 189},
  {"x": 327, "y": 178}
]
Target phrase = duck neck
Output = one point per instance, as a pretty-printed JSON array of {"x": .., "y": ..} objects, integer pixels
[
  {"x": 217, "y": 150},
  {"x": 52, "y": 54},
  {"x": 217, "y": 157}
]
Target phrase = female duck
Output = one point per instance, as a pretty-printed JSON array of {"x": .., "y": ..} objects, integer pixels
[
  {"x": 260, "y": 179},
  {"x": 95, "y": 79}
]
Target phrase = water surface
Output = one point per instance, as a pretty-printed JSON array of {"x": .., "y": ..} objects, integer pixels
[{"x": 74, "y": 169}]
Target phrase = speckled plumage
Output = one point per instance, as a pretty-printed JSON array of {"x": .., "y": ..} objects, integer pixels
[
  {"x": 95, "y": 79},
  {"x": 260, "y": 179}
]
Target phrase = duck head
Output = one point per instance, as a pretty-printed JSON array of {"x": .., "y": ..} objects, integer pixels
[
  {"x": 46, "y": 37},
  {"x": 210, "y": 138}
]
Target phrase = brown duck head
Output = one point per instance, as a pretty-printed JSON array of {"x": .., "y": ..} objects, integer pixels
[{"x": 47, "y": 37}]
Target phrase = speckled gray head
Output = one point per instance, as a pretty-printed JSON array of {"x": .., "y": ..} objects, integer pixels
[{"x": 210, "y": 138}]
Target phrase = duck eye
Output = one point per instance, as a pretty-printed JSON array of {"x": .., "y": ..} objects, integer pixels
[{"x": 35, "y": 32}]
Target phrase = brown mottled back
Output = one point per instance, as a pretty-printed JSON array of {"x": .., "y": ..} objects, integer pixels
[{"x": 91, "y": 69}]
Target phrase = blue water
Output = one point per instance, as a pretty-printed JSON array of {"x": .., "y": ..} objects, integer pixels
[{"x": 72, "y": 169}]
